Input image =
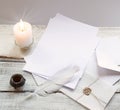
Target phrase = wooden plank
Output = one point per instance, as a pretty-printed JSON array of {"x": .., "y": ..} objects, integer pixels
[
  {"x": 11, "y": 100},
  {"x": 8, "y": 59},
  {"x": 58, "y": 101},
  {"x": 109, "y": 31},
  {"x": 114, "y": 104},
  {"x": 7, "y": 69},
  {"x": 15, "y": 101},
  {"x": 8, "y": 48},
  {"x": 10, "y": 66}
]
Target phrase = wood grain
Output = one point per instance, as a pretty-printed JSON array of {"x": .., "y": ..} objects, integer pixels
[
  {"x": 11, "y": 99},
  {"x": 10, "y": 67}
]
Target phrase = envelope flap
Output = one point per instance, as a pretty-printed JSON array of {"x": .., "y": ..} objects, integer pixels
[
  {"x": 108, "y": 53},
  {"x": 84, "y": 82},
  {"x": 91, "y": 102},
  {"x": 103, "y": 91}
]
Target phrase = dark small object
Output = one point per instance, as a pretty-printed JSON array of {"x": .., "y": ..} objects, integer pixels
[{"x": 17, "y": 80}]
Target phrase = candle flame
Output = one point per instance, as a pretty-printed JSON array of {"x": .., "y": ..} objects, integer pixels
[{"x": 22, "y": 26}]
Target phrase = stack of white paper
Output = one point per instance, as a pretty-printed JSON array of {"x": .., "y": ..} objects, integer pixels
[{"x": 65, "y": 42}]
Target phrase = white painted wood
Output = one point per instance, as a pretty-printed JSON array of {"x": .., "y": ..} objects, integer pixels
[
  {"x": 11, "y": 100},
  {"x": 8, "y": 48},
  {"x": 7, "y": 69}
]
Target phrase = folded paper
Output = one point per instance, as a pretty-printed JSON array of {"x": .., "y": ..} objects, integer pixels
[
  {"x": 91, "y": 92},
  {"x": 109, "y": 76},
  {"x": 108, "y": 54}
]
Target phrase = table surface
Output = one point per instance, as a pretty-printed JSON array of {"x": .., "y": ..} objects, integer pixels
[{"x": 11, "y": 99}]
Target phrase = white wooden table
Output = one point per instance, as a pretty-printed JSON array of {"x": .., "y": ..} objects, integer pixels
[{"x": 10, "y": 99}]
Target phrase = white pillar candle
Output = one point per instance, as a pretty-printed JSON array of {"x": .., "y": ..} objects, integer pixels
[{"x": 23, "y": 34}]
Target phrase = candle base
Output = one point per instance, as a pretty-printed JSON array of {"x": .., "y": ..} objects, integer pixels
[{"x": 25, "y": 47}]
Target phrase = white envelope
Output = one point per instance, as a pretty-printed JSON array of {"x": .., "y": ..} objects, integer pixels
[
  {"x": 100, "y": 94},
  {"x": 108, "y": 53},
  {"x": 109, "y": 76}
]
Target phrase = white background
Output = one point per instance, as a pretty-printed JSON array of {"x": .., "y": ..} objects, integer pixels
[{"x": 93, "y": 12}]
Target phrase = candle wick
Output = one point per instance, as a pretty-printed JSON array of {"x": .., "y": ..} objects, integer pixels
[{"x": 22, "y": 26}]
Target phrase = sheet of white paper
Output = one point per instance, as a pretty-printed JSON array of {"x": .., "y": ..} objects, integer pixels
[
  {"x": 64, "y": 42},
  {"x": 72, "y": 84},
  {"x": 107, "y": 75},
  {"x": 108, "y": 53}
]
